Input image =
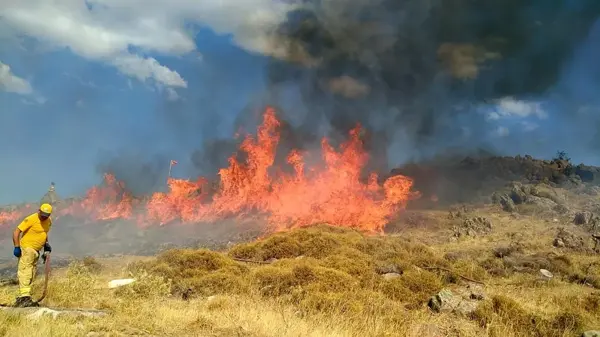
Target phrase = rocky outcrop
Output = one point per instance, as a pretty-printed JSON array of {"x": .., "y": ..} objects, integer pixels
[
  {"x": 473, "y": 227},
  {"x": 505, "y": 201},
  {"x": 39, "y": 312},
  {"x": 456, "y": 179},
  {"x": 569, "y": 240},
  {"x": 589, "y": 221},
  {"x": 462, "y": 301}
]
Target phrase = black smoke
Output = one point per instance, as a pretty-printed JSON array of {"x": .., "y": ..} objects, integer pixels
[
  {"x": 409, "y": 71},
  {"x": 411, "y": 67}
]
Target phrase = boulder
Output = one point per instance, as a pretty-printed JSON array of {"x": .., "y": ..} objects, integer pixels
[
  {"x": 473, "y": 227},
  {"x": 587, "y": 220},
  {"x": 591, "y": 333},
  {"x": 505, "y": 201},
  {"x": 390, "y": 276},
  {"x": 569, "y": 240},
  {"x": 583, "y": 218},
  {"x": 462, "y": 301}
]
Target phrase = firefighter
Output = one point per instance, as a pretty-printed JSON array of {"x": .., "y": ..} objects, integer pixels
[{"x": 30, "y": 236}]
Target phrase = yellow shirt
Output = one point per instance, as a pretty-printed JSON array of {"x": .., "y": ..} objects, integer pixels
[{"x": 35, "y": 232}]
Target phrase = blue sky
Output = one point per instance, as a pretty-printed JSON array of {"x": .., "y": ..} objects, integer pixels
[
  {"x": 60, "y": 109},
  {"x": 79, "y": 84}
]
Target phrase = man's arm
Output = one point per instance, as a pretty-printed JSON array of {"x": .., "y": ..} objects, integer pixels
[
  {"x": 17, "y": 242},
  {"x": 17, "y": 237},
  {"x": 22, "y": 227}
]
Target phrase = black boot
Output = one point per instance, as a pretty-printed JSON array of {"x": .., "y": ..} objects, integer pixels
[{"x": 25, "y": 301}]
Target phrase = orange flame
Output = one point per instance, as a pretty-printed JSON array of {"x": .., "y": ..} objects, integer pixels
[{"x": 332, "y": 193}]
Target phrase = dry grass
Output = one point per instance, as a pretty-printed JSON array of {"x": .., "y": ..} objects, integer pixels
[{"x": 326, "y": 281}]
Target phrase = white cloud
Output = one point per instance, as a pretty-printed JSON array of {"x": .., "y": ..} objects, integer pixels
[
  {"x": 501, "y": 131},
  {"x": 172, "y": 95},
  {"x": 108, "y": 30},
  {"x": 509, "y": 107},
  {"x": 148, "y": 68},
  {"x": 528, "y": 126},
  {"x": 12, "y": 83}
]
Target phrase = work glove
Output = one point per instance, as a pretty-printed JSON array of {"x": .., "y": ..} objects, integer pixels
[
  {"x": 17, "y": 252},
  {"x": 47, "y": 251}
]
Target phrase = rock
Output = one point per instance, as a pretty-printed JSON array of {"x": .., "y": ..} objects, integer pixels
[
  {"x": 591, "y": 333},
  {"x": 592, "y": 190},
  {"x": 457, "y": 212},
  {"x": 272, "y": 260},
  {"x": 504, "y": 251},
  {"x": 546, "y": 274},
  {"x": 475, "y": 292},
  {"x": 389, "y": 276},
  {"x": 120, "y": 282},
  {"x": 506, "y": 202},
  {"x": 587, "y": 220},
  {"x": 447, "y": 301},
  {"x": 560, "y": 209},
  {"x": 388, "y": 269},
  {"x": 473, "y": 227},
  {"x": 540, "y": 202},
  {"x": 518, "y": 194},
  {"x": 441, "y": 301},
  {"x": 37, "y": 313},
  {"x": 558, "y": 243},
  {"x": 569, "y": 240},
  {"x": 583, "y": 218}
]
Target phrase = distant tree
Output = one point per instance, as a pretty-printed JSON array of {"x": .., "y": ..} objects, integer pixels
[{"x": 562, "y": 156}]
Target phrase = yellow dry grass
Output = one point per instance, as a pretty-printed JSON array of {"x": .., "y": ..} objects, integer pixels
[{"x": 326, "y": 282}]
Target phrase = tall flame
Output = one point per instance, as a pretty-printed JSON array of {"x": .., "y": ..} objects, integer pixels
[{"x": 332, "y": 193}]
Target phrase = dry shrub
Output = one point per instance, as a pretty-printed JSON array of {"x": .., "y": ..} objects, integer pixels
[
  {"x": 534, "y": 262},
  {"x": 504, "y": 251},
  {"x": 351, "y": 261},
  {"x": 286, "y": 278},
  {"x": 583, "y": 278},
  {"x": 319, "y": 242},
  {"x": 413, "y": 287},
  {"x": 220, "y": 282},
  {"x": 591, "y": 304},
  {"x": 273, "y": 281},
  {"x": 503, "y": 314},
  {"x": 198, "y": 272},
  {"x": 321, "y": 268},
  {"x": 146, "y": 286},
  {"x": 495, "y": 267},
  {"x": 77, "y": 286},
  {"x": 469, "y": 269},
  {"x": 248, "y": 251},
  {"x": 92, "y": 265},
  {"x": 333, "y": 303}
]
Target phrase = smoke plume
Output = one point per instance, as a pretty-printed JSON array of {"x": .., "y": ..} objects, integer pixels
[{"x": 414, "y": 71}]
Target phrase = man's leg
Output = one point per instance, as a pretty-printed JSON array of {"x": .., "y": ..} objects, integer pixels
[{"x": 26, "y": 274}]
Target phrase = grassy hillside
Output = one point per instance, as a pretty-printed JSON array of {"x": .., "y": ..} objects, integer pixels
[{"x": 325, "y": 281}]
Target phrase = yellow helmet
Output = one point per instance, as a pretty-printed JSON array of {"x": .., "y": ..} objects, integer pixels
[{"x": 46, "y": 209}]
